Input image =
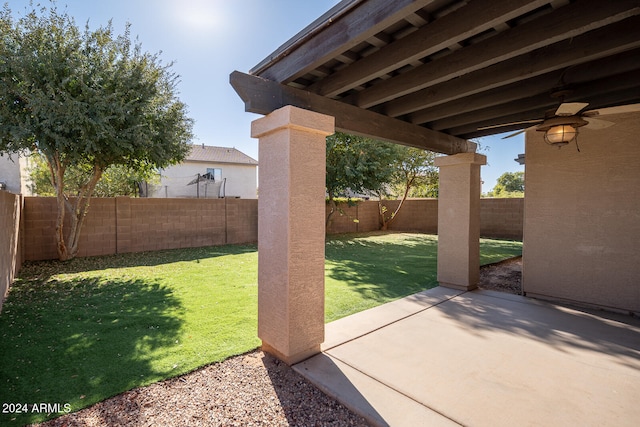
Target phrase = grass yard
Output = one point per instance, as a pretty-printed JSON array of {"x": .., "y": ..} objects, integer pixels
[
  {"x": 79, "y": 332},
  {"x": 364, "y": 271}
]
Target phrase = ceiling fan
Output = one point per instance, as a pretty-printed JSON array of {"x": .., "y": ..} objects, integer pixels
[{"x": 560, "y": 126}]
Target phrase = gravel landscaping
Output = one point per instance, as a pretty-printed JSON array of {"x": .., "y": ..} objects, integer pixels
[
  {"x": 253, "y": 389},
  {"x": 503, "y": 276}
]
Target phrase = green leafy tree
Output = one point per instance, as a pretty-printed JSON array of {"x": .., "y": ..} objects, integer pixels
[
  {"x": 413, "y": 171},
  {"x": 362, "y": 165},
  {"x": 117, "y": 180},
  {"x": 85, "y": 100},
  {"x": 509, "y": 184},
  {"x": 356, "y": 165}
]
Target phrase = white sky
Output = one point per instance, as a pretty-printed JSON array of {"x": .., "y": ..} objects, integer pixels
[{"x": 208, "y": 39}]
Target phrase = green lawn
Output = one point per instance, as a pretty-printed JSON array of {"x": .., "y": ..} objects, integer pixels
[
  {"x": 364, "y": 271},
  {"x": 82, "y": 331}
]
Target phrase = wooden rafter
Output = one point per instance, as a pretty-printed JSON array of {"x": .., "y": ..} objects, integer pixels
[
  {"x": 339, "y": 36},
  {"x": 442, "y": 68},
  {"x": 614, "y": 71},
  {"x": 532, "y": 106},
  {"x": 589, "y": 47},
  {"x": 442, "y": 33},
  {"x": 564, "y": 24}
]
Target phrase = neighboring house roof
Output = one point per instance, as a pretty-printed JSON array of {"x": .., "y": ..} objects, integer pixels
[{"x": 206, "y": 153}]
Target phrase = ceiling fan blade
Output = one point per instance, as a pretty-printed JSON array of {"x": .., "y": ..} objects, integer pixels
[
  {"x": 501, "y": 125},
  {"x": 514, "y": 134},
  {"x": 630, "y": 108},
  {"x": 570, "y": 108},
  {"x": 597, "y": 123},
  {"x": 518, "y": 133}
]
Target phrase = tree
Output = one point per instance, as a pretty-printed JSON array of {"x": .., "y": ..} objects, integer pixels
[
  {"x": 85, "y": 100},
  {"x": 363, "y": 165},
  {"x": 116, "y": 180},
  {"x": 509, "y": 184},
  {"x": 413, "y": 168},
  {"x": 356, "y": 164}
]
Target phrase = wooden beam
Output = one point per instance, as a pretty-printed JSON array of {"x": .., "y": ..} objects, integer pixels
[
  {"x": 359, "y": 24},
  {"x": 594, "y": 45},
  {"x": 488, "y": 132},
  {"x": 596, "y": 102},
  {"x": 624, "y": 63},
  {"x": 539, "y": 103},
  {"x": 585, "y": 92},
  {"x": 263, "y": 96},
  {"x": 565, "y": 23},
  {"x": 472, "y": 19},
  {"x": 491, "y": 98}
]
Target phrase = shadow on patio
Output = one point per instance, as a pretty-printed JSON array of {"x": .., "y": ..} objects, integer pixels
[{"x": 481, "y": 358}]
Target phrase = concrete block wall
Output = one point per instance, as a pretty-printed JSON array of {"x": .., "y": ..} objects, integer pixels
[
  {"x": 38, "y": 237},
  {"x": 10, "y": 248},
  {"x": 417, "y": 215},
  {"x": 502, "y": 218},
  {"x": 98, "y": 235},
  {"x": 499, "y": 218},
  {"x": 368, "y": 216},
  {"x": 242, "y": 220},
  {"x": 157, "y": 224},
  {"x": 123, "y": 224},
  {"x": 343, "y": 219}
]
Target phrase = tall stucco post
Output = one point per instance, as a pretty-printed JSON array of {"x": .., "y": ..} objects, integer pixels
[
  {"x": 459, "y": 220},
  {"x": 291, "y": 231}
]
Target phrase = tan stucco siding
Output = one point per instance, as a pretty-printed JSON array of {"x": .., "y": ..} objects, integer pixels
[
  {"x": 241, "y": 180},
  {"x": 582, "y": 217}
]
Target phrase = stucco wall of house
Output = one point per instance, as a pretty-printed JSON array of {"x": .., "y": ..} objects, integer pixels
[
  {"x": 10, "y": 173},
  {"x": 582, "y": 217},
  {"x": 14, "y": 173},
  {"x": 241, "y": 181}
]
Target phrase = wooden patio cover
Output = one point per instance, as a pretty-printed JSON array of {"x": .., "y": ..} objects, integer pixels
[{"x": 436, "y": 73}]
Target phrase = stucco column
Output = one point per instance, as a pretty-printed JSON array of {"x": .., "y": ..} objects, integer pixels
[
  {"x": 459, "y": 220},
  {"x": 291, "y": 231}
]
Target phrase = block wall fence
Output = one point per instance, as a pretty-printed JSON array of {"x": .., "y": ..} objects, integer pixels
[
  {"x": 499, "y": 218},
  {"x": 10, "y": 248},
  {"x": 123, "y": 224}
]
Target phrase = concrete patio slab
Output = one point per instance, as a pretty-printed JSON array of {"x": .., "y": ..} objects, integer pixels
[
  {"x": 482, "y": 359},
  {"x": 359, "y": 324},
  {"x": 377, "y": 402}
]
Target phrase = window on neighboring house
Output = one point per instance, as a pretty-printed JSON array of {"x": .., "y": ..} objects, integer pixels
[{"x": 216, "y": 172}]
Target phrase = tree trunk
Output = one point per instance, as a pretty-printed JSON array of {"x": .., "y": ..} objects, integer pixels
[
  {"x": 385, "y": 222},
  {"x": 333, "y": 209},
  {"x": 57, "y": 179},
  {"x": 382, "y": 209},
  {"x": 67, "y": 243}
]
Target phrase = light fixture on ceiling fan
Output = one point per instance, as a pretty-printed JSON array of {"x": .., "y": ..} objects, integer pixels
[{"x": 560, "y": 127}]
